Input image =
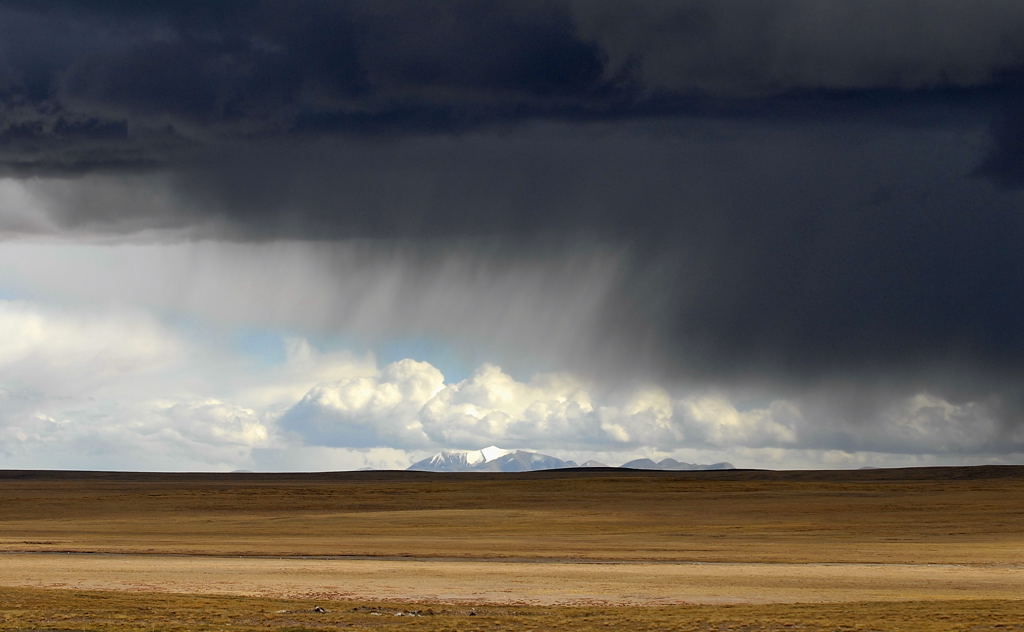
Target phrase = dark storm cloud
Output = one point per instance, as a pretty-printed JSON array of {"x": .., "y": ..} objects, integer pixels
[
  {"x": 195, "y": 74},
  {"x": 88, "y": 85},
  {"x": 794, "y": 180}
]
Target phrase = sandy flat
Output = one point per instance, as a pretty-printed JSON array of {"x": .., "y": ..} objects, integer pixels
[{"x": 514, "y": 582}]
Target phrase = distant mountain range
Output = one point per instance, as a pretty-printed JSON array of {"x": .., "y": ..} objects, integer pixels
[
  {"x": 495, "y": 459},
  {"x": 672, "y": 464}
]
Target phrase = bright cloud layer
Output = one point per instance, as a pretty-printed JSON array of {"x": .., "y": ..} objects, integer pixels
[
  {"x": 120, "y": 389},
  {"x": 408, "y": 405}
]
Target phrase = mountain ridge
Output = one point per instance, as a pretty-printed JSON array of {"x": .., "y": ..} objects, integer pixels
[
  {"x": 495, "y": 459},
  {"x": 674, "y": 465}
]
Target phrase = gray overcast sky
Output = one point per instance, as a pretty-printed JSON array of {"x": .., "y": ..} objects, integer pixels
[{"x": 306, "y": 235}]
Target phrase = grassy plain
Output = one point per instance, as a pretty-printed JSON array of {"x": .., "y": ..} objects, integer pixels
[
  {"x": 928, "y": 515},
  {"x": 34, "y": 609},
  {"x": 913, "y": 549}
]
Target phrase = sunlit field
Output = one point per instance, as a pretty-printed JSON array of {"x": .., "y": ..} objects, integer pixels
[
  {"x": 914, "y": 549},
  {"x": 928, "y": 515}
]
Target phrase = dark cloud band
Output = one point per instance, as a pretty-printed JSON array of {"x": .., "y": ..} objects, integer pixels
[{"x": 89, "y": 86}]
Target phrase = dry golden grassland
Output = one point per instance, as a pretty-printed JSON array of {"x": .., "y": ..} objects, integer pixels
[
  {"x": 34, "y": 609},
  {"x": 941, "y": 515},
  {"x": 917, "y": 549}
]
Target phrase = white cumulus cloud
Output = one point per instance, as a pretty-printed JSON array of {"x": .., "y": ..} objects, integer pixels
[
  {"x": 409, "y": 405},
  {"x": 370, "y": 411}
]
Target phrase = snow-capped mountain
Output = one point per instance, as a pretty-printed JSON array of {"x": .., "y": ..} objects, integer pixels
[
  {"x": 672, "y": 464},
  {"x": 495, "y": 459},
  {"x": 524, "y": 461},
  {"x": 489, "y": 459}
]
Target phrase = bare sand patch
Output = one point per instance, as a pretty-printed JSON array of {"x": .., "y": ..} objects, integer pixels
[{"x": 540, "y": 583}]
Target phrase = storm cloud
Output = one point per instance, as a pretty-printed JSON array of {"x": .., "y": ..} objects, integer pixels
[
  {"x": 800, "y": 202},
  {"x": 118, "y": 85}
]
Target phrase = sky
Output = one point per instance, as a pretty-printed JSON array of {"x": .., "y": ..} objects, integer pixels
[{"x": 323, "y": 235}]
